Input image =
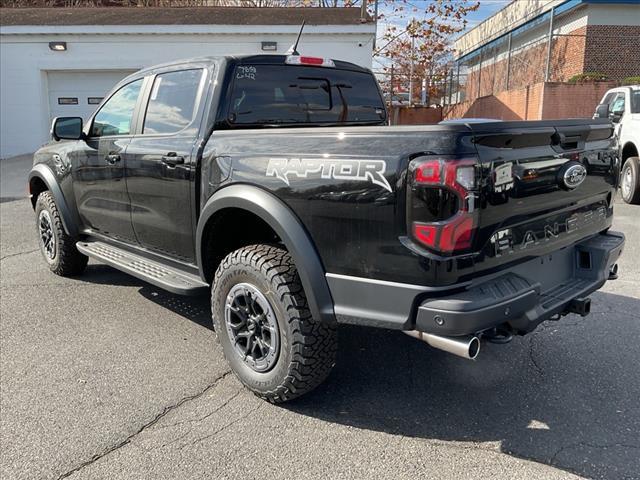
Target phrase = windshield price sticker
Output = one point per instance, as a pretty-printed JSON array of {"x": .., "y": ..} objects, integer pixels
[{"x": 246, "y": 72}]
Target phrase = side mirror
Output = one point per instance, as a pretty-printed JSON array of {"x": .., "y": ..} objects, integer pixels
[
  {"x": 602, "y": 111},
  {"x": 617, "y": 116},
  {"x": 67, "y": 128}
]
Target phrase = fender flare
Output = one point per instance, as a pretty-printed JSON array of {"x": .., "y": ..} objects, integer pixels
[
  {"x": 288, "y": 227},
  {"x": 45, "y": 174}
]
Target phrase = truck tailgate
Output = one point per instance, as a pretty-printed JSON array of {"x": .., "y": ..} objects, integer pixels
[{"x": 544, "y": 185}]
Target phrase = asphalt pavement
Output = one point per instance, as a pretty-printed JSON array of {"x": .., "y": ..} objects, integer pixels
[{"x": 105, "y": 376}]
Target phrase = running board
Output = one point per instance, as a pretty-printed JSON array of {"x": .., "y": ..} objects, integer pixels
[{"x": 156, "y": 273}]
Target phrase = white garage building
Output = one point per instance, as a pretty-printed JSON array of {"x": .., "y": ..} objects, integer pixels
[{"x": 62, "y": 61}]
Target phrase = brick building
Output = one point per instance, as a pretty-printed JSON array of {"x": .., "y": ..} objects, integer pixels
[{"x": 515, "y": 62}]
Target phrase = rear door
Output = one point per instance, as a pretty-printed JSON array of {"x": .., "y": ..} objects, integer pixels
[
  {"x": 160, "y": 162},
  {"x": 545, "y": 185}
]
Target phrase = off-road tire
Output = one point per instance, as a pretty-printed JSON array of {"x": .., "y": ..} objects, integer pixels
[
  {"x": 307, "y": 348},
  {"x": 633, "y": 165},
  {"x": 68, "y": 261}
]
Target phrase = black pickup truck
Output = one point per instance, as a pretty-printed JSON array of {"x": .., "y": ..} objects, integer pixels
[{"x": 274, "y": 183}]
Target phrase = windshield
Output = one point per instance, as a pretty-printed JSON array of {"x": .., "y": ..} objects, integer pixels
[
  {"x": 635, "y": 101},
  {"x": 277, "y": 94}
]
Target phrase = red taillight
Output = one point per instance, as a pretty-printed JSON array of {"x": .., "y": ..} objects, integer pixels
[
  {"x": 316, "y": 61},
  {"x": 428, "y": 172},
  {"x": 425, "y": 233},
  {"x": 311, "y": 60},
  {"x": 458, "y": 177},
  {"x": 456, "y": 234}
]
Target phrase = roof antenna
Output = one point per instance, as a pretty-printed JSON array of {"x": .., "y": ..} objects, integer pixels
[{"x": 293, "y": 50}]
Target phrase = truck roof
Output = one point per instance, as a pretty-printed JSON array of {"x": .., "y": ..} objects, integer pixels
[{"x": 262, "y": 59}]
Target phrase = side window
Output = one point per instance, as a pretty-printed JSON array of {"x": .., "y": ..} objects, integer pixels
[
  {"x": 172, "y": 103},
  {"x": 618, "y": 104},
  {"x": 114, "y": 118},
  {"x": 608, "y": 98}
]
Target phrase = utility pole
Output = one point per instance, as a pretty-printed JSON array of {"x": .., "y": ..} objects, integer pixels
[
  {"x": 391, "y": 84},
  {"x": 508, "y": 63},
  {"x": 413, "y": 44},
  {"x": 375, "y": 14}
]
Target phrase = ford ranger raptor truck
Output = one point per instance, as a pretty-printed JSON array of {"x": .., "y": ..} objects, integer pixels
[{"x": 273, "y": 183}]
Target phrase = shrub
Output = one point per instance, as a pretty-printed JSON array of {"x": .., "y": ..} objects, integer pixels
[
  {"x": 635, "y": 80},
  {"x": 588, "y": 77}
]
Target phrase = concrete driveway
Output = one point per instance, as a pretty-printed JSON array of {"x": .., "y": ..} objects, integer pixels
[
  {"x": 13, "y": 177},
  {"x": 104, "y": 376}
]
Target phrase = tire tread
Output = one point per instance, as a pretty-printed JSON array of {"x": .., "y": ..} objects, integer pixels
[
  {"x": 313, "y": 343},
  {"x": 70, "y": 261}
]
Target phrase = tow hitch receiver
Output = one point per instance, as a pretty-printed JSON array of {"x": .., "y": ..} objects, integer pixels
[{"x": 581, "y": 306}]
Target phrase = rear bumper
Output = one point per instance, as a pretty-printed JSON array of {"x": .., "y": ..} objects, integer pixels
[{"x": 520, "y": 297}]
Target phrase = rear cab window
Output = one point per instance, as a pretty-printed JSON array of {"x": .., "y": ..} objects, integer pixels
[
  {"x": 173, "y": 100},
  {"x": 302, "y": 95}
]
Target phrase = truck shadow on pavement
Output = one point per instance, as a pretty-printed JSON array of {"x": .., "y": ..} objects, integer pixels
[
  {"x": 197, "y": 309},
  {"x": 567, "y": 395}
]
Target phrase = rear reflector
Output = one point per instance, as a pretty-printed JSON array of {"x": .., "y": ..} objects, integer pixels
[{"x": 315, "y": 61}]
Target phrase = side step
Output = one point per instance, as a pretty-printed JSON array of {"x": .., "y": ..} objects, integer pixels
[{"x": 156, "y": 273}]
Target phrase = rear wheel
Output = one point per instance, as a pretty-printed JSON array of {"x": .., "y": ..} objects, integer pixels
[
  {"x": 630, "y": 180},
  {"x": 58, "y": 249},
  {"x": 262, "y": 320}
]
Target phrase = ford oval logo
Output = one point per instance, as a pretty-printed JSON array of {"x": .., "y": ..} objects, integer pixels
[{"x": 572, "y": 176}]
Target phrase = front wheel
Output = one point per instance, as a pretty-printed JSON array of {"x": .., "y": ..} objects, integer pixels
[
  {"x": 58, "y": 248},
  {"x": 630, "y": 180},
  {"x": 263, "y": 322}
]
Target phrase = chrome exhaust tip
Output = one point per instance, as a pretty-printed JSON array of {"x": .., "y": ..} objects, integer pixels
[{"x": 466, "y": 347}]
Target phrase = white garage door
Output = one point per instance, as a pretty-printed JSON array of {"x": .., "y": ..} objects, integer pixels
[{"x": 77, "y": 94}]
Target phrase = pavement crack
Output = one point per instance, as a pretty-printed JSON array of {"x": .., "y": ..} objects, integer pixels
[
  {"x": 532, "y": 357},
  {"x": 224, "y": 427},
  {"x": 17, "y": 254},
  {"x": 155, "y": 420},
  {"x": 212, "y": 412}
]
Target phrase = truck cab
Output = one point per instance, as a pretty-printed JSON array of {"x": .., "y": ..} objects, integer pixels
[{"x": 622, "y": 106}]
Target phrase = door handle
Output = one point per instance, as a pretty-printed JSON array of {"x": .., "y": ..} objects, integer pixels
[
  {"x": 112, "y": 158},
  {"x": 172, "y": 159}
]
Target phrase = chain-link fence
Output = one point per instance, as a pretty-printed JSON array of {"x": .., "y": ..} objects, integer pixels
[
  {"x": 561, "y": 48},
  {"x": 404, "y": 89}
]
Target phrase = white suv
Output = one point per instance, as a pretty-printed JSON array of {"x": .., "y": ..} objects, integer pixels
[{"x": 622, "y": 106}]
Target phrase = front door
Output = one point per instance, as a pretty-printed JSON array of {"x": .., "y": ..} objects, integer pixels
[
  {"x": 160, "y": 166},
  {"x": 99, "y": 175}
]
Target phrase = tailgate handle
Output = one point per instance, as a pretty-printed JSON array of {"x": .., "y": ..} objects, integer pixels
[{"x": 560, "y": 141}]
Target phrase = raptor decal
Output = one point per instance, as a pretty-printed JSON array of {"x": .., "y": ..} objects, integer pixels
[{"x": 343, "y": 169}]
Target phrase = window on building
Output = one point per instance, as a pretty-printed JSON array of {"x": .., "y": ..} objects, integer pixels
[
  {"x": 173, "y": 101},
  {"x": 114, "y": 118}
]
